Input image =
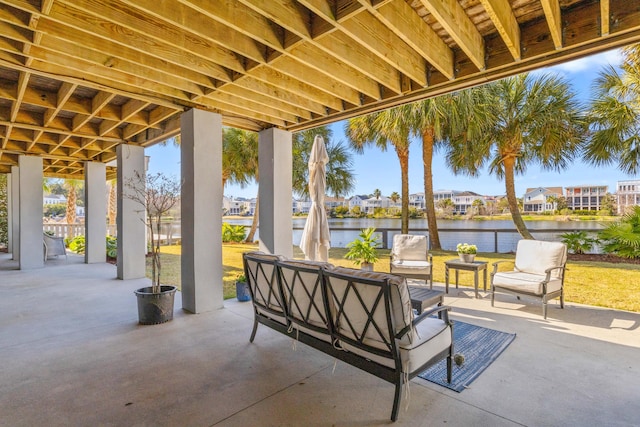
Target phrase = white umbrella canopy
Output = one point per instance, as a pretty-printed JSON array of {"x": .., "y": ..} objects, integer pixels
[{"x": 315, "y": 241}]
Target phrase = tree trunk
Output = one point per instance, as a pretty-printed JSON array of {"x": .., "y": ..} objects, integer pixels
[
  {"x": 429, "y": 205},
  {"x": 403, "y": 156},
  {"x": 509, "y": 180},
  {"x": 113, "y": 200},
  {"x": 254, "y": 223}
]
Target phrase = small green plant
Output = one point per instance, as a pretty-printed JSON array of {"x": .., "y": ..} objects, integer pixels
[
  {"x": 363, "y": 249},
  {"x": 241, "y": 278},
  {"x": 466, "y": 248},
  {"x": 578, "y": 242},
  {"x": 232, "y": 233},
  {"x": 49, "y": 233}
]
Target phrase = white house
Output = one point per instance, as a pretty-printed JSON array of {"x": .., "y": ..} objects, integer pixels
[
  {"x": 357, "y": 200},
  {"x": 538, "y": 199},
  {"x": 463, "y": 201},
  {"x": 54, "y": 199},
  {"x": 372, "y": 203},
  {"x": 416, "y": 200},
  {"x": 628, "y": 194}
]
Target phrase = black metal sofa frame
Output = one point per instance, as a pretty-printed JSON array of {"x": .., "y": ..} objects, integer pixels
[{"x": 314, "y": 304}]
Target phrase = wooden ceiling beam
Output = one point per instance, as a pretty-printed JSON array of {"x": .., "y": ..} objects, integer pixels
[
  {"x": 505, "y": 22},
  {"x": 407, "y": 25},
  {"x": 148, "y": 30},
  {"x": 605, "y": 17},
  {"x": 292, "y": 16},
  {"x": 554, "y": 19},
  {"x": 455, "y": 21},
  {"x": 63, "y": 95}
]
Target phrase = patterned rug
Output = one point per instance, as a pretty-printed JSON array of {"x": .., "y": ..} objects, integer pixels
[{"x": 480, "y": 347}]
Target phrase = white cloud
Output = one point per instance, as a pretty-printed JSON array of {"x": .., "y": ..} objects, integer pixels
[{"x": 589, "y": 63}]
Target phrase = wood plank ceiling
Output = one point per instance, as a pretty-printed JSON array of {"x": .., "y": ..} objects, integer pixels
[{"x": 79, "y": 77}]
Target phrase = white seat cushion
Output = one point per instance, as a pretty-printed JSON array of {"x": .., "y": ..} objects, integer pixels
[
  {"x": 410, "y": 267},
  {"x": 430, "y": 337},
  {"x": 524, "y": 282}
]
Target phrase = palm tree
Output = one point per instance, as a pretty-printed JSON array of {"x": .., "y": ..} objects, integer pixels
[
  {"x": 72, "y": 186},
  {"x": 532, "y": 120},
  {"x": 389, "y": 127},
  {"x": 394, "y": 196},
  {"x": 377, "y": 193},
  {"x": 477, "y": 205},
  {"x": 340, "y": 178},
  {"x": 615, "y": 115},
  {"x": 240, "y": 164}
]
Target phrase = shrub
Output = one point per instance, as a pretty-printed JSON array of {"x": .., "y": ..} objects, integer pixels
[
  {"x": 578, "y": 242},
  {"x": 232, "y": 233},
  {"x": 623, "y": 238},
  {"x": 112, "y": 247},
  {"x": 76, "y": 244}
]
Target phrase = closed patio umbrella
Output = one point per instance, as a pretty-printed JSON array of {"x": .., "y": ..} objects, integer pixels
[{"x": 315, "y": 240}]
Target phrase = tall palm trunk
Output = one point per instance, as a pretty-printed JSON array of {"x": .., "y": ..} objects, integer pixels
[
  {"x": 113, "y": 200},
  {"x": 403, "y": 156},
  {"x": 71, "y": 210},
  {"x": 509, "y": 179},
  {"x": 429, "y": 205},
  {"x": 254, "y": 223}
]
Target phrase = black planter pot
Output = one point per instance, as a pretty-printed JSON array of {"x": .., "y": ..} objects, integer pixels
[{"x": 155, "y": 308}]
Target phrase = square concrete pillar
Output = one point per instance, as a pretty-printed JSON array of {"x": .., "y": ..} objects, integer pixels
[
  {"x": 130, "y": 223},
  {"x": 14, "y": 224},
  {"x": 31, "y": 251},
  {"x": 95, "y": 223},
  {"x": 201, "y": 204},
  {"x": 275, "y": 191}
]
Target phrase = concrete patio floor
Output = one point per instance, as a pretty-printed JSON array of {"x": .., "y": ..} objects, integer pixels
[{"x": 72, "y": 354}]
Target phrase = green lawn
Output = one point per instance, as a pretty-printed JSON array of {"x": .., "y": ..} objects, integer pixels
[{"x": 600, "y": 284}]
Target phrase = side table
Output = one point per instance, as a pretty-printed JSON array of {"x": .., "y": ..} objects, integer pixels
[
  {"x": 423, "y": 298},
  {"x": 457, "y": 265}
]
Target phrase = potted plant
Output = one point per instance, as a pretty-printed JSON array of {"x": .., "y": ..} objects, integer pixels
[
  {"x": 242, "y": 289},
  {"x": 157, "y": 194},
  {"x": 466, "y": 252},
  {"x": 362, "y": 251}
]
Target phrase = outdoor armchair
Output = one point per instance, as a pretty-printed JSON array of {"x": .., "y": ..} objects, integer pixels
[
  {"x": 53, "y": 246},
  {"x": 410, "y": 258},
  {"x": 538, "y": 272}
]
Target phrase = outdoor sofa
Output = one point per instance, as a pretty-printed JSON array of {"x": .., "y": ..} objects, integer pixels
[{"x": 362, "y": 318}]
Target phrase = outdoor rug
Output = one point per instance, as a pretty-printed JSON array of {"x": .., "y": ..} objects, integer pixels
[{"x": 480, "y": 347}]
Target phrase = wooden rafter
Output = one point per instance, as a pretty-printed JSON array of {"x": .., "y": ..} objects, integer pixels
[
  {"x": 505, "y": 22},
  {"x": 552, "y": 13}
]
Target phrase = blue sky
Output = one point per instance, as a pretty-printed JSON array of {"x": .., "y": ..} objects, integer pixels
[{"x": 376, "y": 169}]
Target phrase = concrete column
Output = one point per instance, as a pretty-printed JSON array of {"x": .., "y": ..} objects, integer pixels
[
  {"x": 275, "y": 192},
  {"x": 201, "y": 204},
  {"x": 9, "y": 215},
  {"x": 31, "y": 252},
  {"x": 131, "y": 214},
  {"x": 14, "y": 225},
  {"x": 95, "y": 224}
]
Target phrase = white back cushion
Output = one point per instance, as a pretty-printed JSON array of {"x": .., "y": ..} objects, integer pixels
[
  {"x": 535, "y": 256},
  {"x": 410, "y": 247}
]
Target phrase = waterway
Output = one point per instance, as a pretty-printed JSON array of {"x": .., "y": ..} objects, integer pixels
[{"x": 485, "y": 234}]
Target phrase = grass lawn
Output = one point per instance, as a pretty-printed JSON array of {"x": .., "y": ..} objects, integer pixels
[{"x": 600, "y": 284}]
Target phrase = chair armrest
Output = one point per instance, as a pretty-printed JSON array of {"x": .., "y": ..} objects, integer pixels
[
  {"x": 550, "y": 269},
  {"x": 444, "y": 309},
  {"x": 495, "y": 265}
]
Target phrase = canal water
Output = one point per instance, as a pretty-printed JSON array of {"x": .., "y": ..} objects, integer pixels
[{"x": 487, "y": 234}]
